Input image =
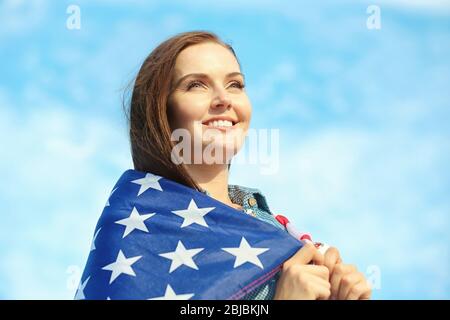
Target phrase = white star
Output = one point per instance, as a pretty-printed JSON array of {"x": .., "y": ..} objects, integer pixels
[
  {"x": 193, "y": 214},
  {"x": 134, "y": 221},
  {"x": 80, "y": 291},
  {"x": 122, "y": 265},
  {"x": 171, "y": 295},
  {"x": 245, "y": 253},
  {"x": 107, "y": 201},
  {"x": 181, "y": 256},
  {"x": 93, "y": 240},
  {"x": 150, "y": 181}
]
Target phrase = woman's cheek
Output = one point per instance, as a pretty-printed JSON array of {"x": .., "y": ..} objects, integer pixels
[
  {"x": 189, "y": 114},
  {"x": 245, "y": 107}
]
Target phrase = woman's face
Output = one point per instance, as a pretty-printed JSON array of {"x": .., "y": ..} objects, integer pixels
[{"x": 208, "y": 98}]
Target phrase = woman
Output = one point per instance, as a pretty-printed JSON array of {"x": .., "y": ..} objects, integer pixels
[{"x": 191, "y": 85}]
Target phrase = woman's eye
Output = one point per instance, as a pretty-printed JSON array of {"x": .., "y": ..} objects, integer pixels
[
  {"x": 194, "y": 84},
  {"x": 238, "y": 84},
  {"x": 197, "y": 84}
]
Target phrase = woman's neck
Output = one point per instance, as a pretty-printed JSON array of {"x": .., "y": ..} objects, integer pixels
[{"x": 213, "y": 178}]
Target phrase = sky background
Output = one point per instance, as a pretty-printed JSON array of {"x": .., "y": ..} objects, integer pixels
[{"x": 363, "y": 117}]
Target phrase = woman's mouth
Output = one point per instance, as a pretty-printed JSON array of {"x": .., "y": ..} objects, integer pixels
[{"x": 223, "y": 125}]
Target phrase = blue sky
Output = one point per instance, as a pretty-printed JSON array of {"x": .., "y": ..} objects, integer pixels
[{"x": 363, "y": 118}]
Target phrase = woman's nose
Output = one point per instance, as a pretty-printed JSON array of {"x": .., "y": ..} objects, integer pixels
[{"x": 221, "y": 100}]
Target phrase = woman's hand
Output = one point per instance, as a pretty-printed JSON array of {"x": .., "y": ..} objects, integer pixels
[
  {"x": 300, "y": 280},
  {"x": 347, "y": 283}
]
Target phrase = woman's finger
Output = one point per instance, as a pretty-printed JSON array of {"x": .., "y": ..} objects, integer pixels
[
  {"x": 366, "y": 295},
  {"x": 348, "y": 281},
  {"x": 321, "y": 288},
  {"x": 335, "y": 278},
  {"x": 319, "y": 271},
  {"x": 331, "y": 258},
  {"x": 359, "y": 290},
  {"x": 308, "y": 253}
]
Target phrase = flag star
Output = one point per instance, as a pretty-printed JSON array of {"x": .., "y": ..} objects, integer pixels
[
  {"x": 245, "y": 253},
  {"x": 95, "y": 238},
  {"x": 181, "y": 256},
  {"x": 121, "y": 265},
  {"x": 193, "y": 214},
  {"x": 171, "y": 295},
  {"x": 80, "y": 291},
  {"x": 107, "y": 201},
  {"x": 149, "y": 181},
  {"x": 134, "y": 221}
]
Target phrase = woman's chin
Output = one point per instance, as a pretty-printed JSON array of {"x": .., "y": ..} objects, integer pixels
[{"x": 218, "y": 152}]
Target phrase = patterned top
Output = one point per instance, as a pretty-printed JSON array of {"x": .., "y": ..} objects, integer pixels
[{"x": 254, "y": 203}]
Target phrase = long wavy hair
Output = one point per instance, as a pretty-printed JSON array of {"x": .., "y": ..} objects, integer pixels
[{"x": 149, "y": 125}]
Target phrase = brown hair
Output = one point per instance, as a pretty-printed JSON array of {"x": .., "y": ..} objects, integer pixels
[{"x": 149, "y": 126}]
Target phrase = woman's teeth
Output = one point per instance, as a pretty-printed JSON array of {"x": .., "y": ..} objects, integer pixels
[{"x": 220, "y": 123}]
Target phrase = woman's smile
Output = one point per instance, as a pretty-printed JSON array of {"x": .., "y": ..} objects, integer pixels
[{"x": 221, "y": 123}]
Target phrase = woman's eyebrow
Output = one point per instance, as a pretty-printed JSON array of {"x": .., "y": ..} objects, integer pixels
[{"x": 204, "y": 75}]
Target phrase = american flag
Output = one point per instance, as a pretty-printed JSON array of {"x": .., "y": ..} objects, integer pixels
[{"x": 158, "y": 239}]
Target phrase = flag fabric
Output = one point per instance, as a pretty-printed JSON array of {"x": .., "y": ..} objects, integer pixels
[{"x": 158, "y": 239}]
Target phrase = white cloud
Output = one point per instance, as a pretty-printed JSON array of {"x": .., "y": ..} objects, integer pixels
[
  {"x": 20, "y": 16},
  {"x": 375, "y": 190},
  {"x": 58, "y": 168},
  {"x": 436, "y": 6},
  {"x": 371, "y": 195}
]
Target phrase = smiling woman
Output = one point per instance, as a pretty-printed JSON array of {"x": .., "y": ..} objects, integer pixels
[
  {"x": 191, "y": 78},
  {"x": 193, "y": 82}
]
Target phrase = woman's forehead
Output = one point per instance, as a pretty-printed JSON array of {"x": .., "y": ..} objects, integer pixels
[{"x": 204, "y": 58}]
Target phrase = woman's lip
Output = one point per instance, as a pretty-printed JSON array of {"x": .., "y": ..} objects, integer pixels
[
  {"x": 232, "y": 121},
  {"x": 222, "y": 128}
]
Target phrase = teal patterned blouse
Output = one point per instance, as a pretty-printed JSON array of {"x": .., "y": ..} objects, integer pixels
[{"x": 254, "y": 203}]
